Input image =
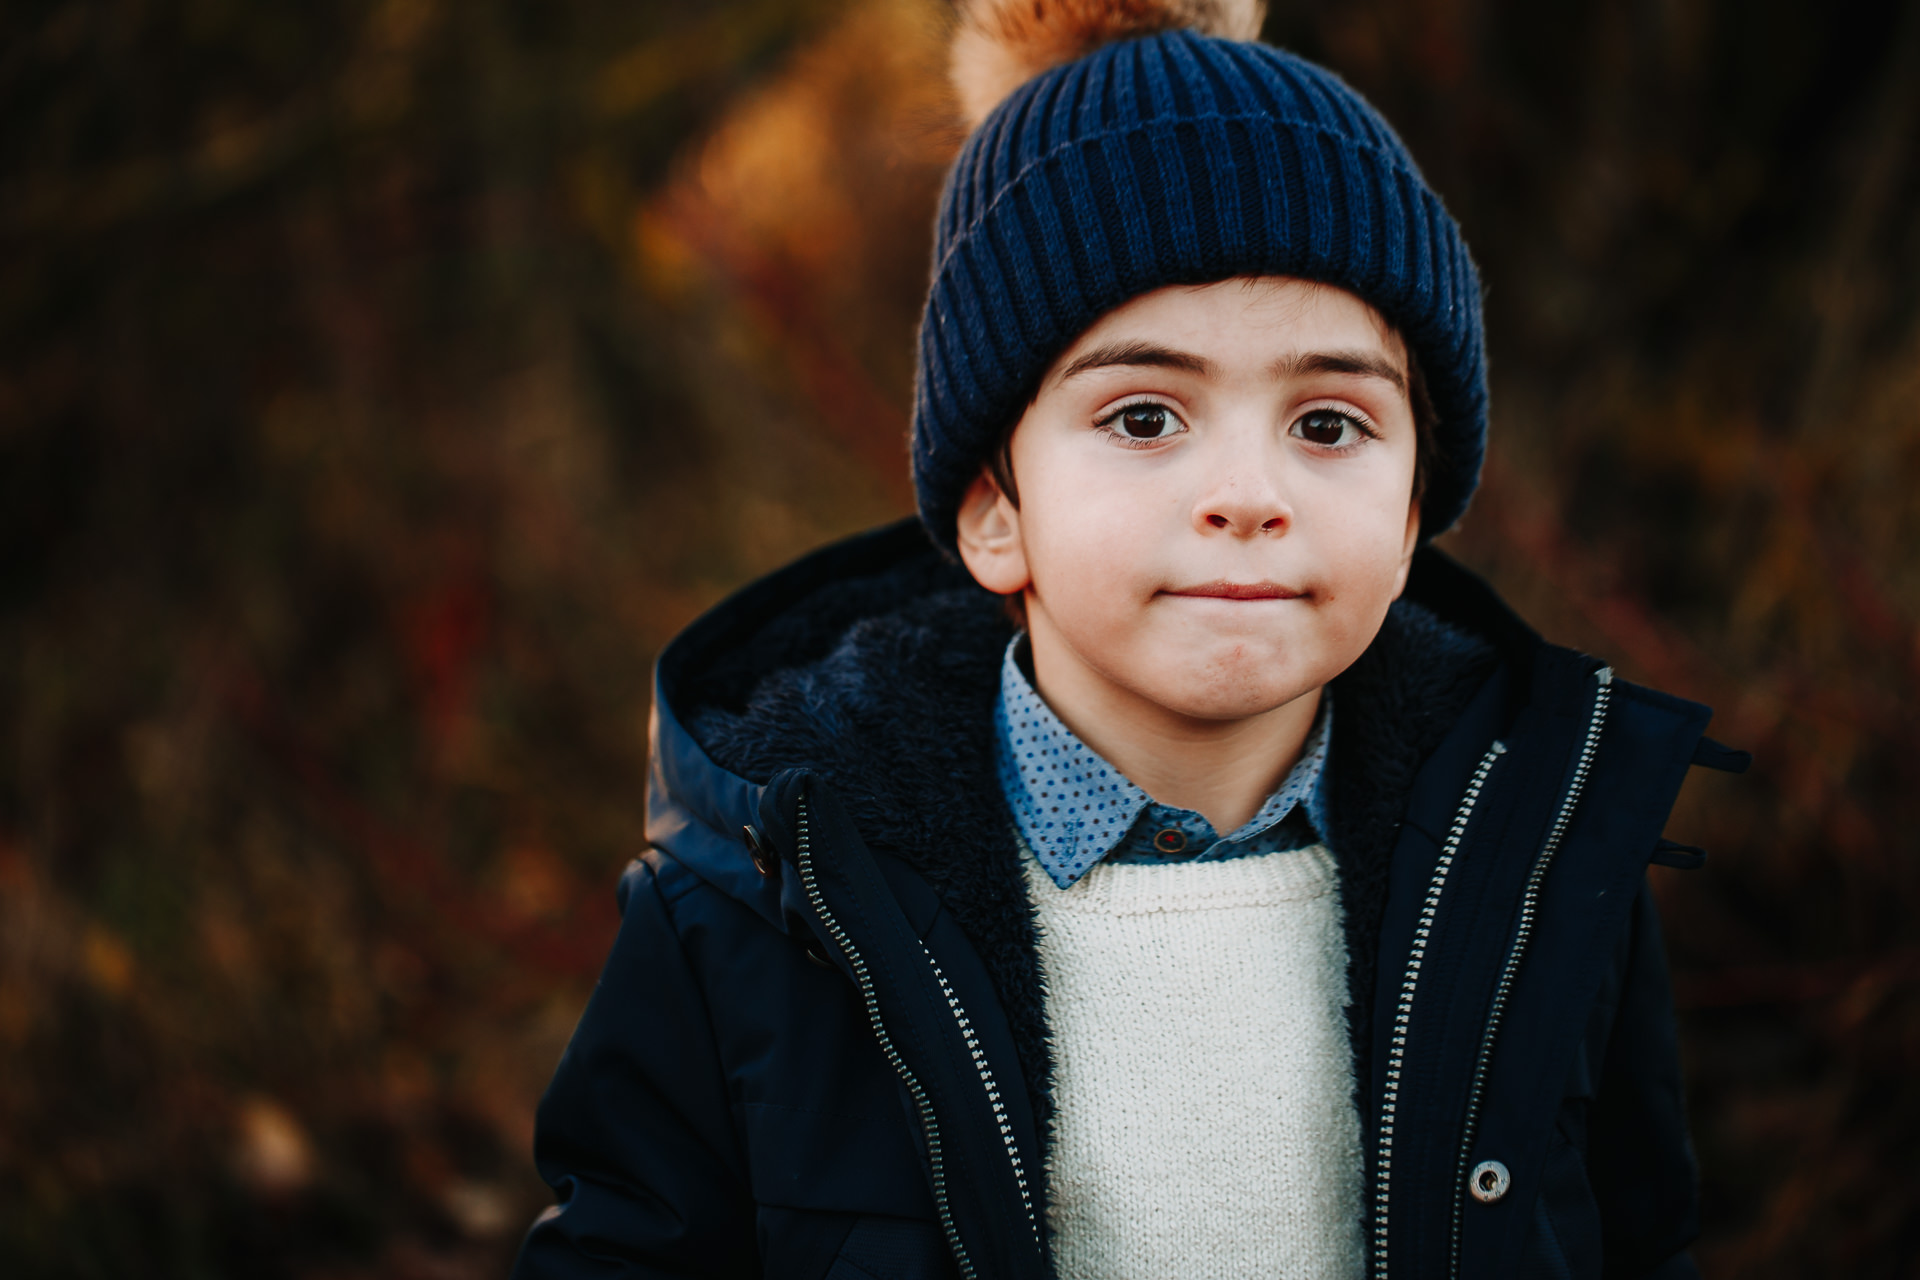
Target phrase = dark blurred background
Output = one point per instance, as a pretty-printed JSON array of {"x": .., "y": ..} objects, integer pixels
[{"x": 381, "y": 384}]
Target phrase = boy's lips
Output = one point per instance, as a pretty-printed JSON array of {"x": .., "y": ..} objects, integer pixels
[{"x": 1238, "y": 591}]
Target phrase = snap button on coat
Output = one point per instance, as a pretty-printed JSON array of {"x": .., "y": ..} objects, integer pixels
[
  {"x": 762, "y": 853},
  {"x": 1489, "y": 1181}
]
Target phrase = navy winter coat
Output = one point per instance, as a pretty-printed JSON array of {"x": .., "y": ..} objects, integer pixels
[{"x": 819, "y": 1047}]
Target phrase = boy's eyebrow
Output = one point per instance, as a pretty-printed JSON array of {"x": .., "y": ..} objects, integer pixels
[
  {"x": 1139, "y": 353},
  {"x": 1366, "y": 364},
  {"x": 1369, "y": 364}
]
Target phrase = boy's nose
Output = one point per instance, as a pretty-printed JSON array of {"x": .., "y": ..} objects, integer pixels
[{"x": 1245, "y": 506}]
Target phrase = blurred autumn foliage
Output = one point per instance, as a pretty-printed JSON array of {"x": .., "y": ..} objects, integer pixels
[{"x": 382, "y": 383}]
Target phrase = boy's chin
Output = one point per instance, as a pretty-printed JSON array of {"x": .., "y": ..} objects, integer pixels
[{"x": 1217, "y": 695}]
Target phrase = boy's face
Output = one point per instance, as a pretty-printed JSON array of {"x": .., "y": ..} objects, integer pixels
[{"x": 1216, "y": 499}]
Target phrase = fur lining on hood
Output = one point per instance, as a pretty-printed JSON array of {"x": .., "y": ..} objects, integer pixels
[{"x": 886, "y": 684}]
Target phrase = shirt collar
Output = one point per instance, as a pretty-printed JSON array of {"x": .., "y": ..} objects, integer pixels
[{"x": 1073, "y": 808}]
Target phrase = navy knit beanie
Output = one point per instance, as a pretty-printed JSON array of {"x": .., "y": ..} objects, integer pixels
[{"x": 1179, "y": 158}]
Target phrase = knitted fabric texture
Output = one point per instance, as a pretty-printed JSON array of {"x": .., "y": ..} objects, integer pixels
[
  {"x": 1179, "y": 159},
  {"x": 1204, "y": 1121}
]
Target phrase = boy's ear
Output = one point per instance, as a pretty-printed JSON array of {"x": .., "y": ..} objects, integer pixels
[{"x": 988, "y": 532}]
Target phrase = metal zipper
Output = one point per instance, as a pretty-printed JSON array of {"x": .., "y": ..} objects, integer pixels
[
  {"x": 1403, "y": 1008},
  {"x": 993, "y": 1095},
  {"x": 920, "y": 1100},
  {"x": 1529, "y": 905}
]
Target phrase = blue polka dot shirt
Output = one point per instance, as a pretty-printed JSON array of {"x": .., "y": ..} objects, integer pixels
[{"x": 1074, "y": 809}]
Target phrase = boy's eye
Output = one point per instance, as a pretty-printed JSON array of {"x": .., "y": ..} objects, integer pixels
[
  {"x": 1144, "y": 421},
  {"x": 1330, "y": 427}
]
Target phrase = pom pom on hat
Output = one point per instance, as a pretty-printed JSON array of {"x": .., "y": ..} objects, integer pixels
[{"x": 1002, "y": 44}]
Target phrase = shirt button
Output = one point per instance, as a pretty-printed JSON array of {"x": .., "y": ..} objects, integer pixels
[
  {"x": 1170, "y": 840},
  {"x": 1489, "y": 1181}
]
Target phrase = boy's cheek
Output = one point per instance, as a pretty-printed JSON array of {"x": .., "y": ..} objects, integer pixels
[
  {"x": 1098, "y": 584},
  {"x": 1096, "y": 539}
]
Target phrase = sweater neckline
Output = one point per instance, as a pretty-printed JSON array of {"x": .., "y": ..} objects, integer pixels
[{"x": 1130, "y": 889}]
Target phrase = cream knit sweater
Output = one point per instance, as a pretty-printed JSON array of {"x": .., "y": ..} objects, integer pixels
[{"x": 1205, "y": 1123}]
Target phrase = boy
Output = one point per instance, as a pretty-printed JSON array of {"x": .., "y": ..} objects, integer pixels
[{"x": 1271, "y": 901}]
